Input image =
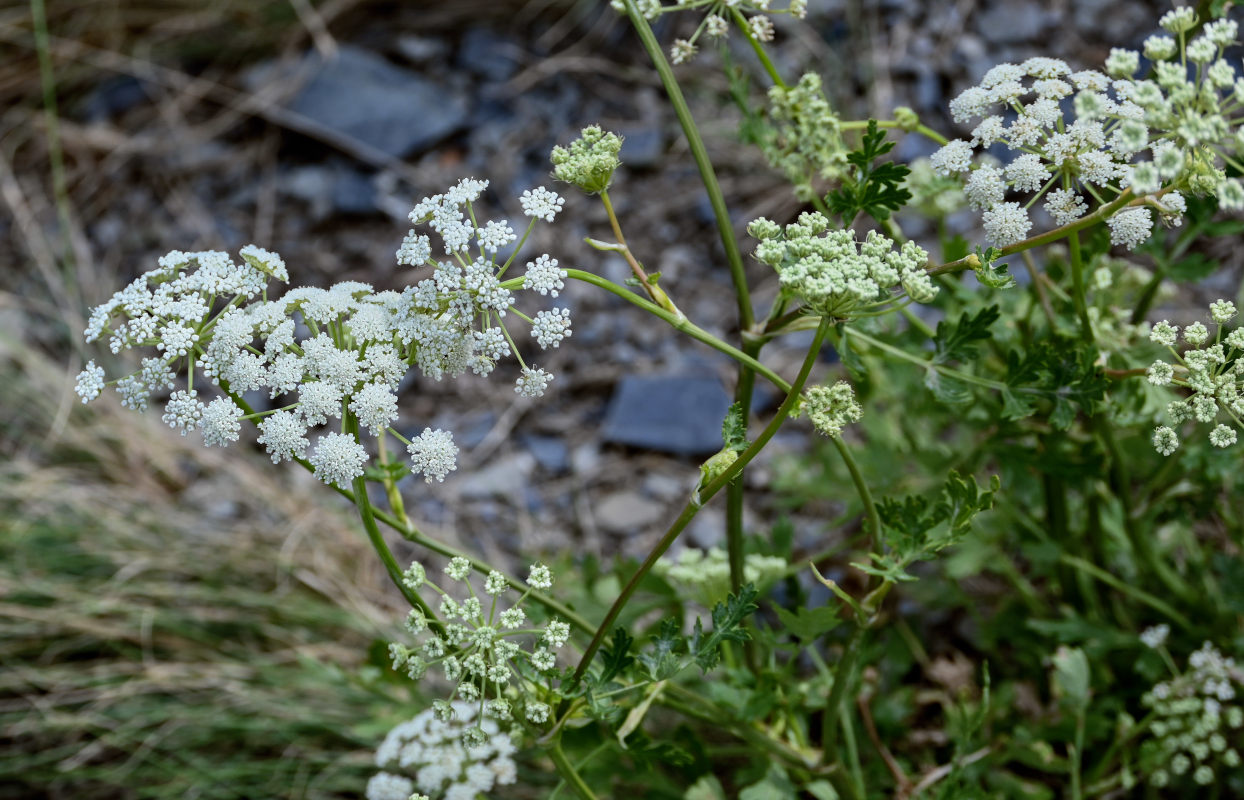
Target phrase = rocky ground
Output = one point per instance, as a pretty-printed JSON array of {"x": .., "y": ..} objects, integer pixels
[{"x": 312, "y": 132}]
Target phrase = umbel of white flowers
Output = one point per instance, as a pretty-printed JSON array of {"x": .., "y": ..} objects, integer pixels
[
  {"x": 332, "y": 355},
  {"x": 1159, "y": 137}
]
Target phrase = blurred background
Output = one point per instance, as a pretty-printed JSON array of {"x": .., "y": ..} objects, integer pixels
[{"x": 178, "y": 622}]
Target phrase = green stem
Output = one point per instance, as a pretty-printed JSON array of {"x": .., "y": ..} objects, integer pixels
[
  {"x": 1077, "y": 756},
  {"x": 741, "y": 23},
  {"x": 734, "y": 492},
  {"x": 734, "y": 496},
  {"x": 568, "y": 772},
  {"x": 833, "y": 705},
  {"x": 969, "y": 261},
  {"x": 923, "y": 130},
  {"x": 367, "y": 514},
  {"x": 1117, "y": 584},
  {"x": 681, "y": 324},
  {"x": 724, "y": 227},
  {"x": 703, "y": 494},
  {"x": 870, "y": 508},
  {"x": 1077, "y": 283}
]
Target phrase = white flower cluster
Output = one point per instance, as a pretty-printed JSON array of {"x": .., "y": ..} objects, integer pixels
[
  {"x": 833, "y": 274},
  {"x": 476, "y": 651},
  {"x": 704, "y": 575},
  {"x": 831, "y": 408},
  {"x": 431, "y": 751},
  {"x": 1212, "y": 367},
  {"x": 716, "y": 24},
  {"x": 1197, "y": 721},
  {"x": 341, "y": 352},
  {"x": 1182, "y": 124}
]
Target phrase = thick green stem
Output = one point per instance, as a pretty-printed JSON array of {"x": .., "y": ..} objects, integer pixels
[
  {"x": 1077, "y": 284},
  {"x": 681, "y": 324},
  {"x": 700, "y": 153},
  {"x": 367, "y": 514},
  {"x": 1101, "y": 214},
  {"x": 702, "y": 495},
  {"x": 734, "y": 492},
  {"x": 833, "y": 705},
  {"x": 861, "y": 488},
  {"x": 568, "y": 772}
]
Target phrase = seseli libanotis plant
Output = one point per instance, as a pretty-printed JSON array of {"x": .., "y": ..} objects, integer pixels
[{"x": 750, "y": 670}]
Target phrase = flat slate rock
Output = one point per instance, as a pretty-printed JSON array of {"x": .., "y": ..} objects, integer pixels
[
  {"x": 670, "y": 414},
  {"x": 368, "y": 98}
]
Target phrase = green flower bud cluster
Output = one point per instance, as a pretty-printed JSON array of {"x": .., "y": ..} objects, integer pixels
[
  {"x": 590, "y": 160},
  {"x": 806, "y": 141},
  {"x": 833, "y": 274},
  {"x": 1197, "y": 722},
  {"x": 476, "y": 652},
  {"x": 831, "y": 408},
  {"x": 1212, "y": 367},
  {"x": 704, "y": 575}
]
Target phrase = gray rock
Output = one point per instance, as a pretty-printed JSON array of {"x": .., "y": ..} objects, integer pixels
[
  {"x": 673, "y": 414},
  {"x": 363, "y": 96},
  {"x": 585, "y": 460},
  {"x": 489, "y": 54},
  {"x": 1012, "y": 22},
  {"x": 627, "y": 512},
  {"x": 642, "y": 147},
  {"x": 420, "y": 49},
  {"x": 550, "y": 453},
  {"x": 503, "y": 477},
  {"x": 329, "y": 188}
]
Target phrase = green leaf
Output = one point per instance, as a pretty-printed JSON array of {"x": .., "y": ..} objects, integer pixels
[
  {"x": 948, "y": 390},
  {"x": 775, "y": 785},
  {"x": 1016, "y": 406},
  {"x": 808, "y": 623},
  {"x": 615, "y": 657},
  {"x": 957, "y": 340},
  {"x": 706, "y": 788},
  {"x": 989, "y": 275},
  {"x": 822, "y": 790},
  {"x": 876, "y": 189},
  {"x": 660, "y": 658},
  {"x": 734, "y": 428},
  {"x": 728, "y": 618},
  {"x": 1192, "y": 267},
  {"x": 1071, "y": 676}
]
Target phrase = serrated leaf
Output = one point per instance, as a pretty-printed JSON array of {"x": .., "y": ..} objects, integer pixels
[
  {"x": 1192, "y": 267},
  {"x": 728, "y": 617},
  {"x": 808, "y": 623},
  {"x": 875, "y": 189},
  {"x": 946, "y": 389},
  {"x": 957, "y": 340},
  {"x": 734, "y": 429},
  {"x": 660, "y": 658},
  {"x": 615, "y": 656},
  {"x": 1016, "y": 406}
]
